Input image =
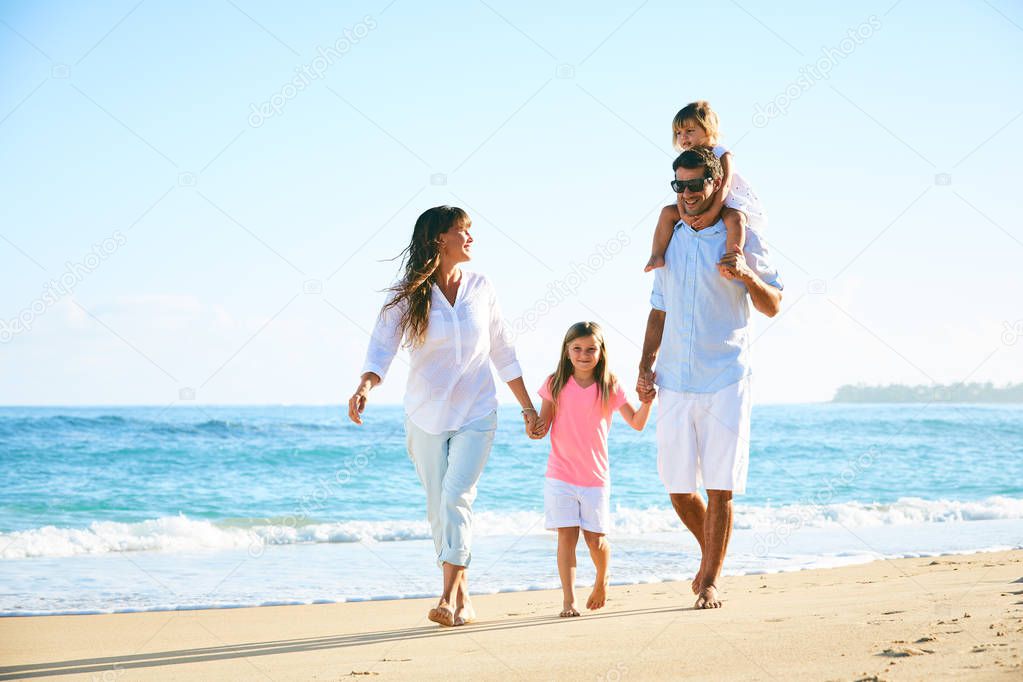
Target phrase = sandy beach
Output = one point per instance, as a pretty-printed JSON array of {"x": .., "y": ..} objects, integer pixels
[{"x": 951, "y": 617}]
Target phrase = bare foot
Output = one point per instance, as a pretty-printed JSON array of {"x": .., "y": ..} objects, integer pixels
[
  {"x": 442, "y": 614},
  {"x": 465, "y": 613},
  {"x": 697, "y": 581},
  {"x": 654, "y": 263},
  {"x": 598, "y": 597},
  {"x": 708, "y": 598},
  {"x": 568, "y": 610}
]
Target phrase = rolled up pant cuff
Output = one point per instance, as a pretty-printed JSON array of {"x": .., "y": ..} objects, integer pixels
[{"x": 454, "y": 557}]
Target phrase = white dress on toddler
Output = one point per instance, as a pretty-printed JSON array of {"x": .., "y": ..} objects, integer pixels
[{"x": 741, "y": 197}]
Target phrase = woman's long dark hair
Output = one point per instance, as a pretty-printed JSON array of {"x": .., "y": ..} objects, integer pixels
[{"x": 420, "y": 261}]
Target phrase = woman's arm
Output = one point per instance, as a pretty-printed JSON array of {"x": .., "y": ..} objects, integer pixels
[
  {"x": 357, "y": 403},
  {"x": 383, "y": 346},
  {"x": 635, "y": 418}
]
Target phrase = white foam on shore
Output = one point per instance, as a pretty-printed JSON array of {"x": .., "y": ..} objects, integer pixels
[
  {"x": 822, "y": 562},
  {"x": 183, "y": 534}
]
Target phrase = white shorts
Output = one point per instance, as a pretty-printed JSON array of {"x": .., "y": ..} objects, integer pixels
[
  {"x": 703, "y": 439},
  {"x": 566, "y": 506}
]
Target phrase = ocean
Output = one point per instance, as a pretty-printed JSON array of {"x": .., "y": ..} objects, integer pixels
[{"x": 112, "y": 509}]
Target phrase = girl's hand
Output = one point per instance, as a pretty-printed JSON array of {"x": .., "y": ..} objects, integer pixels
[
  {"x": 699, "y": 221},
  {"x": 539, "y": 430}
]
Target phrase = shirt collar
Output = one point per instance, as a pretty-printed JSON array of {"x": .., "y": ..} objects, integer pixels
[{"x": 716, "y": 228}]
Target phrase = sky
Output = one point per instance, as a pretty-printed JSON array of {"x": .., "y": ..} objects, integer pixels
[{"x": 201, "y": 198}]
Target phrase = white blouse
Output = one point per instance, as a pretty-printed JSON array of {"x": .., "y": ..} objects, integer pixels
[{"x": 449, "y": 382}]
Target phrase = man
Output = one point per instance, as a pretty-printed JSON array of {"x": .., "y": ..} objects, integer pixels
[{"x": 698, "y": 333}]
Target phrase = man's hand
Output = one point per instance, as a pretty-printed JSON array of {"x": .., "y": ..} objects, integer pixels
[{"x": 645, "y": 386}]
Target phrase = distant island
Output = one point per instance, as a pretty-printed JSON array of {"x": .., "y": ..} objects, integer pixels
[{"x": 951, "y": 393}]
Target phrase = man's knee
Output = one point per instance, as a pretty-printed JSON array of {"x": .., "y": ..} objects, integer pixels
[
  {"x": 685, "y": 501},
  {"x": 719, "y": 496},
  {"x": 595, "y": 541}
]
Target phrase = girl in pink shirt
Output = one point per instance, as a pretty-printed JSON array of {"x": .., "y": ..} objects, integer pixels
[{"x": 579, "y": 400}]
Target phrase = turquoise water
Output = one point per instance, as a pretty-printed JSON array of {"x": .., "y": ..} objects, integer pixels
[{"x": 201, "y": 485}]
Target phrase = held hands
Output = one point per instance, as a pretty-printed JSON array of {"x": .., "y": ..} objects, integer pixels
[
  {"x": 645, "y": 386},
  {"x": 534, "y": 425},
  {"x": 700, "y": 220},
  {"x": 733, "y": 266}
]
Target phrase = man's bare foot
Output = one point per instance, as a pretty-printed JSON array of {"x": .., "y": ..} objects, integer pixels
[
  {"x": 465, "y": 614},
  {"x": 654, "y": 263},
  {"x": 708, "y": 598},
  {"x": 568, "y": 610},
  {"x": 442, "y": 614},
  {"x": 598, "y": 597},
  {"x": 697, "y": 581}
]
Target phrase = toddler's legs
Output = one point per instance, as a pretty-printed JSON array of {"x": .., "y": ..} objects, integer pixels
[
  {"x": 662, "y": 237},
  {"x": 568, "y": 538},
  {"x": 735, "y": 234},
  {"x": 600, "y": 552}
]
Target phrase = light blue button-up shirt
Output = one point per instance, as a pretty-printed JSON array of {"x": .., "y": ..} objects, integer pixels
[{"x": 705, "y": 345}]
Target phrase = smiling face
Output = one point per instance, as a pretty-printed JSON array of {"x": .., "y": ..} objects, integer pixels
[
  {"x": 690, "y": 135},
  {"x": 584, "y": 354},
  {"x": 694, "y": 203},
  {"x": 455, "y": 245}
]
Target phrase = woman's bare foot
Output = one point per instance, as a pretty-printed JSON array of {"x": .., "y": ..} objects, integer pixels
[
  {"x": 697, "y": 581},
  {"x": 598, "y": 597},
  {"x": 654, "y": 263},
  {"x": 442, "y": 614},
  {"x": 568, "y": 610},
  {"x": 465, "y": 613},
  {"x": 708, "y": 598}
]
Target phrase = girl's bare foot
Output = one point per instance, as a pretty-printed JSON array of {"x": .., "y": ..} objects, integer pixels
[
  {"x": 654, "y": 263},
  {"x": 442, "y": 614},
  {"x": 568, "y": 610},
  {"x": 598, "y": 597},
  {"x": 708, "y": 598}
]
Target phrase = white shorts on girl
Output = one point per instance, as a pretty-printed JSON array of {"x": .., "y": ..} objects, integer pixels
[
  {"x": 703, "y": 438},
  {"x": 567, "y": 506}
]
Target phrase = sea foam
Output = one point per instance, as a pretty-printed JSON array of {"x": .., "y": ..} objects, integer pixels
[{"x": 183, "y": 534}]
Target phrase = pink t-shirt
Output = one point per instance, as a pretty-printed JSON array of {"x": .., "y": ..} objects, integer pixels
[{"x": 579, "y": 433}]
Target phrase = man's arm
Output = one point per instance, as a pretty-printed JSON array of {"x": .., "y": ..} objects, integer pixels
[
  {"x": 765, "y": 298},
  {"x": 651, "y": 346}
]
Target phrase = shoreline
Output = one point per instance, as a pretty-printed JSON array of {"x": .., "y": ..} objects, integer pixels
[
  {"x": 947, "y": 617},
  {"x": 853, "y": 561}
]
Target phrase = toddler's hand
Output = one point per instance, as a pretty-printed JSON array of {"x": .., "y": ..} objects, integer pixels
[{"x": 699, "y": 221}]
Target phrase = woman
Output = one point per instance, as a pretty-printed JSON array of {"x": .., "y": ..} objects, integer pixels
[{"x": 450, "y": 322}]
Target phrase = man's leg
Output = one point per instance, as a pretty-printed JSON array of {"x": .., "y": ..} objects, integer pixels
[
  {"x": 723, "y": 432},
  {"x": 677, "y": 462},
  {"x": 717, "y": 530},
  {"x": 692, "y": 512}
]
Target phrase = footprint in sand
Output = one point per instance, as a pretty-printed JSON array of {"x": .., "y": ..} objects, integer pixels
[
  {"x": 904, "y": 652},
  {"x": 926, "y": 638}
]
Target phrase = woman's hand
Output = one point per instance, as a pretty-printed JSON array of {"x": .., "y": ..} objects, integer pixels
[
  {"x": 529, "y": 417},
  {"x": 357, "y": 403}
]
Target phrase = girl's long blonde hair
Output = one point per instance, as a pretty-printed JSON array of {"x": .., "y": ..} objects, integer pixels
[
  {"x": 605, "y": 380},
  {"x": 420, "y": 260}
]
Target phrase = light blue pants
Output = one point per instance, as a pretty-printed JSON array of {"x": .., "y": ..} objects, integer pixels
[{"x": 449, "y": 465}]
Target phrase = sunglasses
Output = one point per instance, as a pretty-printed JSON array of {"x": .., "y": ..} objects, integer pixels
[{"x": 680, "y": 186}]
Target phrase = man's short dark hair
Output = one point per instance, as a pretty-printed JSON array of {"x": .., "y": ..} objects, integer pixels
[{"x": 699, "y": 157}]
